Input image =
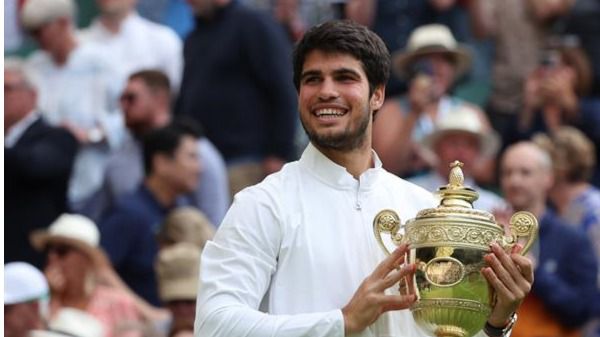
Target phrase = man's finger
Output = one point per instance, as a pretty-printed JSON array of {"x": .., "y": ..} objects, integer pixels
[
  {"x": 391, "y": 262},
  {"x": 525, "y": 265},
  {"x": 396, "y": 302},
  {"x": 395, "y": 276}
]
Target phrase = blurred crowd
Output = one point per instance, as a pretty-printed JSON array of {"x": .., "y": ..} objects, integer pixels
[{"x": 127, "y": 137}]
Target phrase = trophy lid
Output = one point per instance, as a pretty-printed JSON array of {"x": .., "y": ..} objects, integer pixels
[{"x": 457, "y": 199}]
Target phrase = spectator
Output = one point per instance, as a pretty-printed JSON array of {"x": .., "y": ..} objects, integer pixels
[
  {"x": 25, "y": 299},
  {"x": 78, "y": 89},
  {"x": 71, "y": 322},
  {"x": 128, "y": 233},
  {"x": 74, "y": 265},
  {"x": 432, "y": 61},
  {"x": 563, "y": 292},
  {"x": 576, "y": 201},
  {"x": 461, "y": 136},
  {"x": 38, "y": 160},
  {"x": 519, "y": 30},
  {"x": 146, "y": 103},
  {"x": 177, "y": 268},
  {"x": 292, "y": 257},
  {"x": 185, "y": 224},
  {"x": 134, "y": 42},
  {"x": 240, "y": 89},
  {"x": 553, "y": 93}
]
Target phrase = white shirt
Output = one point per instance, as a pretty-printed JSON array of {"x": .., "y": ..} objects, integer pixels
[
  {"x": 16, "y": 131},
  {"x": 83, "y": 92},
  {"x": 487, "y": 201},
  {"x": 140, "y": 44},
  {"x": 293, "y": 249}
]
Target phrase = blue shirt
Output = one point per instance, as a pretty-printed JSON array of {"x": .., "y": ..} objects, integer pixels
[
  {"x": 128, "y": 234},
  {"x": 565, "y": 276}
]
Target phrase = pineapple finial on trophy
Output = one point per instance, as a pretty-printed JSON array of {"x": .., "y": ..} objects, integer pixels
[{"x": 456, "y": 178}]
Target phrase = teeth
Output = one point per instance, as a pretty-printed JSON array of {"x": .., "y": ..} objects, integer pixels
[{"x": 329, "y": 112}]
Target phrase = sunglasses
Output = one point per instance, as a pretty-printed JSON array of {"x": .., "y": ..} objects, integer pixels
[
  {"x": 58, "y": 249},
  {"x": 128, "y": 98}
]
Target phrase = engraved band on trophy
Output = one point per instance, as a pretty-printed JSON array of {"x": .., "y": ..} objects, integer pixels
[{"x": 447, "y": 244}]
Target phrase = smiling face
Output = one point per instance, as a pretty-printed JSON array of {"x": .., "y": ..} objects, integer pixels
[{"x": 335, "y": 107}]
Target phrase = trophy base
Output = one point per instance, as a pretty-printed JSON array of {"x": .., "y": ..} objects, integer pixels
[{"x": 450, "y": 331}]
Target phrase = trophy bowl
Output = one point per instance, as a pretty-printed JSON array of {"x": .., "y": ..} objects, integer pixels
[{"x": 448, "y": 244}]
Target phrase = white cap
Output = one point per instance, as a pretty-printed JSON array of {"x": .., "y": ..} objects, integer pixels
[
  {"x": 36, "y": 13},
  {"x": 71, "y": 322},
  {"x": 23, "y": 282}
]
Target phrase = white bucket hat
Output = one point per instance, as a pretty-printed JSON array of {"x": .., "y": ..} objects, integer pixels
[
  {"x": 431, "y": 39},
  {"x": 74, "y": 230},
  {"x": 36, "y": 13},
  {"x": 465, "y": 119},
  {"x": 177, "y": 271},
  {"x": 23, "y": 283},
  {"x": 70, "y": 322}
]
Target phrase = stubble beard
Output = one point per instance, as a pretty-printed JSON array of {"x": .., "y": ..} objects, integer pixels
[{"x": 347, "y": 140}]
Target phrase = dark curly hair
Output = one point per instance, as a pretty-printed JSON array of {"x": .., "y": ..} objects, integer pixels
[{"x": 346, "y": 37}]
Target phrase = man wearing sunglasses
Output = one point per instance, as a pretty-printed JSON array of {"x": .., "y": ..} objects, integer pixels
[{"x": 146, "y": 102}]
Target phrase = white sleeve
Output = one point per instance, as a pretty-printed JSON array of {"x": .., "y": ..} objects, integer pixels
[{"x": 235, "y": 274}]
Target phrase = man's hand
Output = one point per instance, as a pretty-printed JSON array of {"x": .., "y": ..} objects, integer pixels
[
  {"x": 511, "y": 276},
  {"x": 370, "y": 301}
]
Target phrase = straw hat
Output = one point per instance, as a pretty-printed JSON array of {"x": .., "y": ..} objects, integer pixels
[
  {"x": 36, "y": 13},
  {"x": 431, "y": 39},
  {"x": 23, "y": 283},
  {"x": 70, "y": 322},
  {"x": 464, "y": 118},
  {"x": 74, "y": 230},
  {"x": 177, "y": 269},
  {"x": 186, "y": 224}
]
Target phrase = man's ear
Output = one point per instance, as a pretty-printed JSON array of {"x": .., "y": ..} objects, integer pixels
[{"x": 377, "y": 98}]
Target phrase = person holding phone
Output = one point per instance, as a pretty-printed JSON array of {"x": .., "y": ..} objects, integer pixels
[{"x": 432, "y": 61}]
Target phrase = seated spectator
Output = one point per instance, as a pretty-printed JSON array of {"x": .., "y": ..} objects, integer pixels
[
  {"x": 74, "y": 263},
  {"x": 146, "y": 103},
  {"x": 38, "y": 159},
  {"x": 25, "y": 299},
  {"x": 461, "y": 136},
  {"x": 177, "y": 268},
  {"x": 71, "y": 322},
  {"x": 135, "y": 42},
  {"x": 562, "y": 295},
  {"x": 432, "y": 61},
  {"x": 128, "y": 233},
  {"x": 576, "y": 201},
  {"x": 185, "y": 224},
  {"x": 78, "y": 89}
]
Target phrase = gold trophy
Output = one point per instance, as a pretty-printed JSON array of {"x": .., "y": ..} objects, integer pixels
[{"x": 448, "y": 243}]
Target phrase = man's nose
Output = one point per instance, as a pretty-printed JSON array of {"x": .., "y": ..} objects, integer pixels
[{"x": 328, "y": 90}]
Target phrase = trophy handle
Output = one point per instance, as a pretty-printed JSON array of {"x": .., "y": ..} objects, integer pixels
[
  {"x": 523, "y": 225},
  {"x": 387, "y": 221}
]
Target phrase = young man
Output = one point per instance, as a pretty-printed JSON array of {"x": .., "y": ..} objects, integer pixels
[
  {"x": 295, "y": 255},
  {"x": 129, "y": 231}
]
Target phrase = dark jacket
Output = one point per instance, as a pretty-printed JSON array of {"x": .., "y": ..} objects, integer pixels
[
  {"x": 36, "y": 175},
  {"x": 237, "y": 83}
]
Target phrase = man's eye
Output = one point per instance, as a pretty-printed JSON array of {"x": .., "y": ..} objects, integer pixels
[{"x": 311, "y": 79}]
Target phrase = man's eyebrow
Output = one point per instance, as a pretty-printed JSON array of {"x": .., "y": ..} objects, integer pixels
[
  {"x": 339, "y": 71},
  {"x": 346, "y": 71},
  {"x": 310, "y": 73}
]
